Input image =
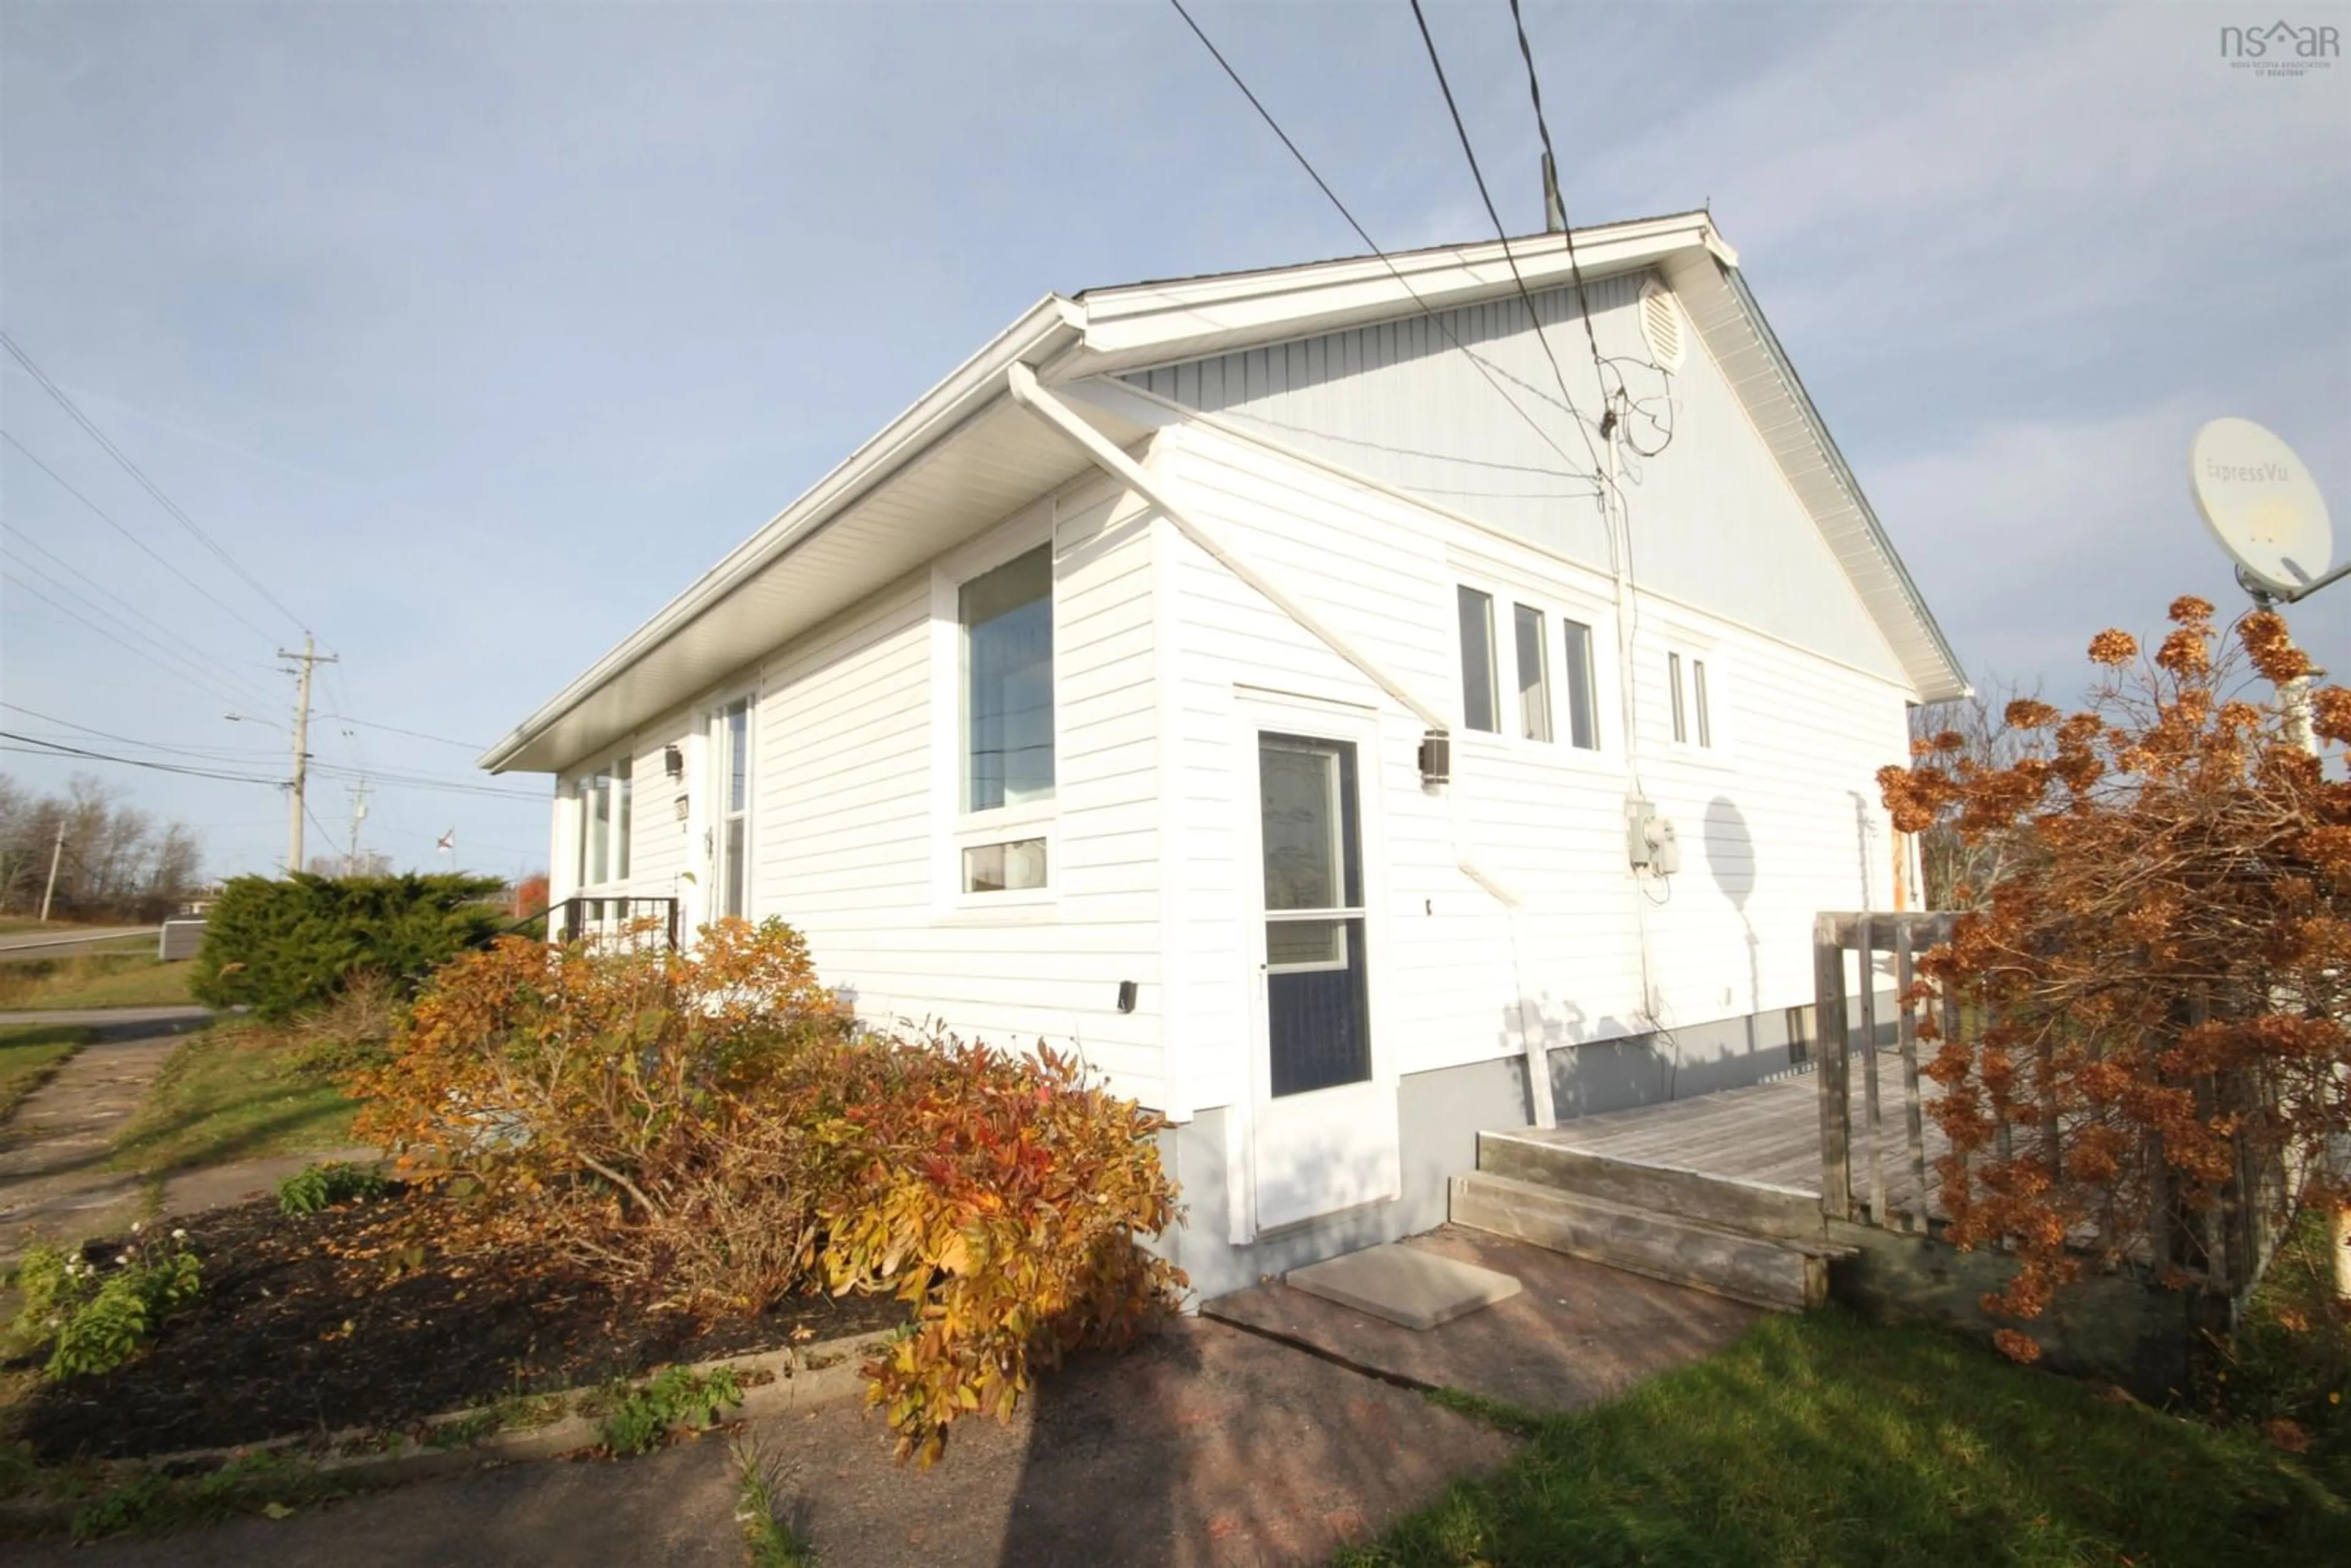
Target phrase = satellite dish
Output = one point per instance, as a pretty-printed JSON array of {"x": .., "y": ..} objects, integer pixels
[{"x": 2262, "y": 504}]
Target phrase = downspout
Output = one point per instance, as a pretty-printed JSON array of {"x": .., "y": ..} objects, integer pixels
[{"x": 1028, "y": 394}]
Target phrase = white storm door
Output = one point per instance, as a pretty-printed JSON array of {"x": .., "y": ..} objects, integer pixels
[{"x": 1325, "y": 1135}]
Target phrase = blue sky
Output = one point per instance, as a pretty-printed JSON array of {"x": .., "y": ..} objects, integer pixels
[{"x": 475, "y": 331}]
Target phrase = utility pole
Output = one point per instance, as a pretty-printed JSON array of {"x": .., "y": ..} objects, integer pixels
[
  {"x": 309, "y": 658},
  {"x": 358, "y": 815},
  {"x": 57, "y": 851}
]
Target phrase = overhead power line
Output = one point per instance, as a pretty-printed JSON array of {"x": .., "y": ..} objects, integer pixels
[
  {"x": 178, "y": 515},
  {"x": 412, "y": 734},
  {"x": 214, "y": 753},
  {"x": 104, "y": 516},
  {"x": 1534, "y": 318},
  {"x": 28, "y": 742},
  {"x": 374, "y": 778},
  {"x": 1551, "y": 173},
  {"x": 176, "y": 672},
  {"x": 203, "y": 657},
  {"x": 1324, "y": 185}
]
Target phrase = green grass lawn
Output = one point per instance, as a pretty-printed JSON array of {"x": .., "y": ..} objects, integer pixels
[
  {"x": 108, "y": 980},
  {"x": 28, "y": 1054},
  {"x": 1821, "y": 1440},
  {"x": 235, "y": 1091}
]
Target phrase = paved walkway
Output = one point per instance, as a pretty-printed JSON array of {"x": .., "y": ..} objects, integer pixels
[
  {"x": 53, "y": 1150},
  {"x": 1209, "y": 1447},
  {"x": 53, "y": 1179},
  {"x": 115, "y": 1022}
]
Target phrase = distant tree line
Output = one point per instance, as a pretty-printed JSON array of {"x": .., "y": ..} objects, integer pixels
[{"x": 116, "y": 862}]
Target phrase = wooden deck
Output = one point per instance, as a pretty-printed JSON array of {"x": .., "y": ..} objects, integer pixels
[{"x": 1767, "y": 1135}]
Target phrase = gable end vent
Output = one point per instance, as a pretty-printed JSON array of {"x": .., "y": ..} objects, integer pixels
[{"x": 1661, "y": 326}]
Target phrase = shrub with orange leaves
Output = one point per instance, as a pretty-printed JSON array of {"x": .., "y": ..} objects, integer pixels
[
  {"x": 1002, "y": 1197},
  {"x": 712, "y": 1128},
  {"x": 623, "y": 1100},
  {"x": 2162, "y": 969}
]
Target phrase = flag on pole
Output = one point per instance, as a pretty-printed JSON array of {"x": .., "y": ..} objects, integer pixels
[{"x": 447, "y": 842}]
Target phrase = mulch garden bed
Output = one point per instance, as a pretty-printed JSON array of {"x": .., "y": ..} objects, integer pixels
[{"x": 303, "y": 1328}]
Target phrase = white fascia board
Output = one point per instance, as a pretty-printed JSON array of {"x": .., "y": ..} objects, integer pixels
[
  {"x": 1159, "y": 323},
  {"x": 1786, "y": 415},
  {"x": 1041, "y": 338}
]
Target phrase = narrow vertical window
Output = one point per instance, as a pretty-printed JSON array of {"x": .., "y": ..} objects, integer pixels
[
  {"x": 1582, "y": 731},
  {"x": 621, "y": 820},
  {"x": 734, "y": 806},
  {"x": 1697, "y": 702},
  {"x": 598, "y": 826},
  {"x": 1480, "y": 703},
  {"x": 583, "y": 828},
  {"x": 1673, "y": 682},
  {"x": 1008, "y": 656},
  {"x": 1534, "y": 673}
]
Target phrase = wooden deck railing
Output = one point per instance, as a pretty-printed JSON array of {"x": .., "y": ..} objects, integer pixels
[
  {"x": 1905, "y": 935},
  {"x": 2224, "y": 1246}
]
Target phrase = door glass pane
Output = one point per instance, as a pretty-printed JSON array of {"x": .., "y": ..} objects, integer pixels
[
  {"x": 1318, "y": 1013},
  {"x": 1007, "y": 623},
  {"x": 1673, "y": 681},
  {"x": 1534, "y": 673},
  {"x": 1477, "y": 700},
  {"x": 1294, "y": 945},
  {"x": 1697, "y": 699},
  {"x": 1299, "y": 789},
  {"x": 1581, "y": 728}
]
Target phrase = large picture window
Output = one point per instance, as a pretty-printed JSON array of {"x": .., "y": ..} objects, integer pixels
[{"x": 1006, "y": 618}]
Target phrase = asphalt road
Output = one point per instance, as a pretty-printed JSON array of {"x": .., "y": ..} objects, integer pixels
[{"x": 49, "y": 939}]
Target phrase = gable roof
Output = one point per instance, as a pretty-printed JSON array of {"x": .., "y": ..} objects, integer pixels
[{"x": 963, "y": 455}]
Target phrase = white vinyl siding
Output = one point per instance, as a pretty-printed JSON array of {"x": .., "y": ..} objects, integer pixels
[
  {"x": 857, "y": 838},
  {"x": 1719, "y": 522},
  {"x": 1797, "y": 828}
]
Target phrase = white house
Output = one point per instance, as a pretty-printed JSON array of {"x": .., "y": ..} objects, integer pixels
[{"x": 1265, "y": 686}]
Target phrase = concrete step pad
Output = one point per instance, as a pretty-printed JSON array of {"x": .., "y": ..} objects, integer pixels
[
  {"x": 1767, "y": 1271},
  {"x": 1405, "y": 1285}
]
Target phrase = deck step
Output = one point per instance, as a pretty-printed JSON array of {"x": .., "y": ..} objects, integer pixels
[
  {"x": 1758, "y": 1208},
  {"x": 1778, "y": 1272}
]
